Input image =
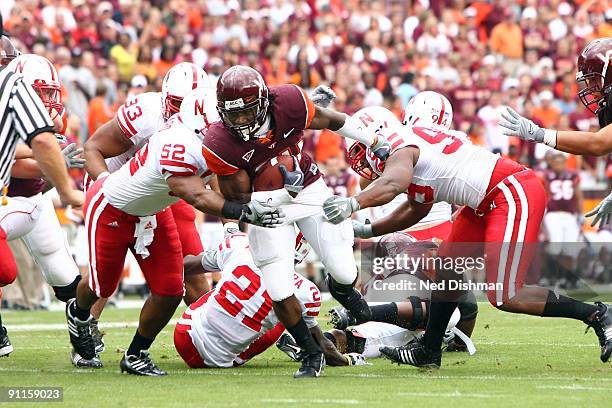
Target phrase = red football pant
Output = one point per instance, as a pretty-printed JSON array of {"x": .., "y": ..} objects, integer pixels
[
  {"x": 508, "y": 233},
  {"x": 8, "y": 267},
  {"x": 111, "y": 234},
  {"x": 184, "y": 218}
]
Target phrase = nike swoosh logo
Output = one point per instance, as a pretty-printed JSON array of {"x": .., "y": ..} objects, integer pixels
[{"x": 286, "y": 134}]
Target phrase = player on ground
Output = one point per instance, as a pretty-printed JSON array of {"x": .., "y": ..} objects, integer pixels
[
  {"x": 258, "y": 124},
  {"x": 234, "y": 322},
  {"x": 127, "y": 210},
  {"x": 504, "y": 205},
  {"x": 595, "y": 77}
]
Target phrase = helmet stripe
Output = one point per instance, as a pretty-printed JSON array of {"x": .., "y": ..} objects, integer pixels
[
  {"x": 194, "y": 85},
  {"x": 441, "y": 110}
]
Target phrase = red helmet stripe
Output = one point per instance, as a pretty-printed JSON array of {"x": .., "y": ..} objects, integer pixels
[
  {"x": 441, "y": 111},
  {"x": 194, "y": 85}
]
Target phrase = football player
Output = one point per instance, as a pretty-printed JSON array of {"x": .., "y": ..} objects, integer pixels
[
  {"x": 240, "y": 305},
  {"x": 504, "y": 203},
  {"x": 128, "y": 210},
  {"x": 34, "y": 211},
  {"x": 258, "y": 124},
  {"x": 595, "y": 78}
]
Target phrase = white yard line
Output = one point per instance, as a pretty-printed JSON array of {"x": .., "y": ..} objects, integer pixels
[
  {"x": 62, "y": 326},
  {"x": 310, "y": 401}
]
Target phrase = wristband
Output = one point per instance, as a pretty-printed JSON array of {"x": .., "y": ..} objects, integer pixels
[
  {"x": 550, "y": 137},
  {"x": 231, "y": 210}
]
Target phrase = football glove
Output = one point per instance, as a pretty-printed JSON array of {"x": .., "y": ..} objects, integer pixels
[
  {"x": 322, "y": 96},
  {"x": 338, "y": 209},
  {"x": 70, "y": 152},
  {"x": 355, "y": 359},
  {"x": 602, "y": 212},
  {"x": 294, "y": 180},
  {"x": 363, "y": 230},
  {"x": 262, "y": 215}
]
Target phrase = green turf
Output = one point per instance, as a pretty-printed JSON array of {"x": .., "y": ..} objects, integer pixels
[{"x": 521, "y": 362}]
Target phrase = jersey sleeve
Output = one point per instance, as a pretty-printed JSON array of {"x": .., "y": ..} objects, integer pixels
[
  {"x": 216, "y": 152},
  {"x": 308, "y": 106},
  {"x": 139, "y": 116},
  {"x": 29, "y": 114},
  {"x": 310, "y": 297},
  {"x": 292, "y": 107}
]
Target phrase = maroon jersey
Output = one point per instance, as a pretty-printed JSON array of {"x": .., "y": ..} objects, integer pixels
[
  {"x": 562, "y": 190},
  {"x": 25, "y": 187},
  {"x": 291, "y": 111},
  {"x": 341, "y": 184}
]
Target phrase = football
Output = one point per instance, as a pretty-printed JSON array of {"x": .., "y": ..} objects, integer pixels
[{"x": 269, "y": 177}]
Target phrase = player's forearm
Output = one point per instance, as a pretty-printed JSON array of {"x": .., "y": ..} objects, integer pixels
[
  {"x": 404, "y": 216},
  {"x": 380, "y": 192},
  {"x": 585, "y": 143},
  {"x": 332, "y": 356},
  {"x": 341, "y": 123},
  {"x": 94, "y": 161},
  {"x": 49, "y": 157}
]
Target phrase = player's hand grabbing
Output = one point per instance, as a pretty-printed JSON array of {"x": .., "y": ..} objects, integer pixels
[
  {"x": 356, "y": 359},
  {"x": 294, "y": 180},
  {"x": 70, "y": 153},
  {"x": 262, "y": 215},
  {"x": 75, "y": 198},
  {"x": 322, "y": 96},
  {"x": 381, "y": 147},
  {"x": 338, "y": 209},
  {"x": 363, "y": 230},
  {"x": 516, "y": 125},
  {"x": 602, "y": 213}
]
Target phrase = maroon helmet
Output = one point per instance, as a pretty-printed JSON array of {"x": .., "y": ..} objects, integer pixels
[
  {"x": 242, "y": 101},
  {"x": 8, "y": 52},
  {"x": 593, "y": 74}
]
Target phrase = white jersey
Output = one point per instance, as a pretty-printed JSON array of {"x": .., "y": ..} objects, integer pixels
[
  {"x": 239, "y": 310},
  {"x": 448, "y": 169},
  {"x": 139, "y": 118},
  {"x": 139, "y": 187}
]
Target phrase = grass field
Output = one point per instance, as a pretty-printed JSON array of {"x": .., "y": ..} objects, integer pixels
[{"x": 521, "y": 361}]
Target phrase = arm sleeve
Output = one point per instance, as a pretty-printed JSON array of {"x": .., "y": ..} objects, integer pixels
[
  {"x": 138, "y": 117},
  {"x": 178, "y": 159},
  {"x": 29, "y": 114}
]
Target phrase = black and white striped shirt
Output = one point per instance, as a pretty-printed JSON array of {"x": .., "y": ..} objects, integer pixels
[{"x": 22, "y": 117}]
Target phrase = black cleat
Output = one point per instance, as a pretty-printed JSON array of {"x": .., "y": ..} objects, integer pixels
[
  {"x": 80, "y": 362},
  {"x": 140, "y": 365},
  {"x": 413, "y": 353},
  {"x": 341, "y": 318},
  {"x": 287, "y": 345},
  {"x": 602, "y": 324},
  {"x": 80, "y": 334},
  {"x": 312, "y": 366},
  {"x": 97, "y": 336},
  {"x": 6, "y": 347}
]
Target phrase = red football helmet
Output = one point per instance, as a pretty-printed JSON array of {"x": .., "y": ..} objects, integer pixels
[
  {"x": 593, "y": 73},
  {"x": 8, "y": 52},
  {"x": 242, "y": 100}
]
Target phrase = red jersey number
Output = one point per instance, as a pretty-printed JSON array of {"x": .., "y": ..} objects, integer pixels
[
  {"x": 132, "y": 110},
  {"x": 234, "y": 307},
  {"x": 173, "y": 152},
  {"x": 435, "y": 136}
]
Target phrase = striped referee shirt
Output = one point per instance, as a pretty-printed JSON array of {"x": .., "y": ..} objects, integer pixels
[{"x": 22, "y": 117}]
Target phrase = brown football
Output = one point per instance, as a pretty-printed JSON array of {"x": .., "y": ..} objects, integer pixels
[{"x": 269, "y": 177}]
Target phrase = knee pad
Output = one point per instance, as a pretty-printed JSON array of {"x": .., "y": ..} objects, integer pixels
[
  {"x": 418, "y": 317},
  {"x": 65, "y": 293},
  {"x": 468, "y": 307}
]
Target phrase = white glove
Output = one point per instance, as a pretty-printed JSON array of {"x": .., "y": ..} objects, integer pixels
[
  {"x": 70, "y": 152},
  {"x": 362, "y": 230},
  {"x": 262, "y": 215},
  {"x": 356, "y": 359},
  {"x": 322, "y": 96},
  {"x": 602, "y": 212},
  {"x": 516, "y": 125},
  {"x": 338, "y": 209}
]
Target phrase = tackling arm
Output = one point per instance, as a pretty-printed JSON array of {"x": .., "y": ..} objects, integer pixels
[
  {"x": 404, "y": 216},
  {"x": 192, "y": 190},
  {"x": 107, "y": 141},
  {"x": 586, "y": 143}
]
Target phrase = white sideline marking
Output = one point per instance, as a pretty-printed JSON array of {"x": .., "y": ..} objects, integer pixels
[
  {"x": 573, "y": 387},
  {"x": 62, "y": 326},
  {"x": 311, "y": 401},
  {"x": 454, "y": 394}
]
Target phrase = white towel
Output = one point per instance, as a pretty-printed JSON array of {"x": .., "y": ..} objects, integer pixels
[{"x": 144, "y": 233}]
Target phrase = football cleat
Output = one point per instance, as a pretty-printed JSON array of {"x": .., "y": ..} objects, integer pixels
[
  {"x": 97, "y": 336},
  {"x": 80, "y": 334},
  {"x": 287, "y": 345},
  {"x": 413, "y": 353},
  {"x": 312, "y": 366},
  {"x": 80, "y": 362},
  {"x": 140, "y": 365},
  {"x": 6, "y": 347},
  {"x": 341, "y": 318},
  {"x": 602, "y": 324}
]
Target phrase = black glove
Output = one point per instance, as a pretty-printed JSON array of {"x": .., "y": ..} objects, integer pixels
[
  {"x": 294, "y": 180},
  {"x": 605, "y": 113}
]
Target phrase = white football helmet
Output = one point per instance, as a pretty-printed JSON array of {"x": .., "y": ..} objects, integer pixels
[
  {"x": 429, "y": 108},
  {"x": 199, "y": 110},
  {"x": 178, "y": 82},
  {"x": 42, "y": 76}
]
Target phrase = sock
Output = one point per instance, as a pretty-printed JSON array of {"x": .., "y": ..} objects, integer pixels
[
  {"x": 139, "y": 342},
  {"x": 81, "y": 314},
  {"x": 439, "y": 316},
  {"x": 301, "y": 335},
  {"x": 568, "y": 307},
  {"x": 386, "y": 313}
]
